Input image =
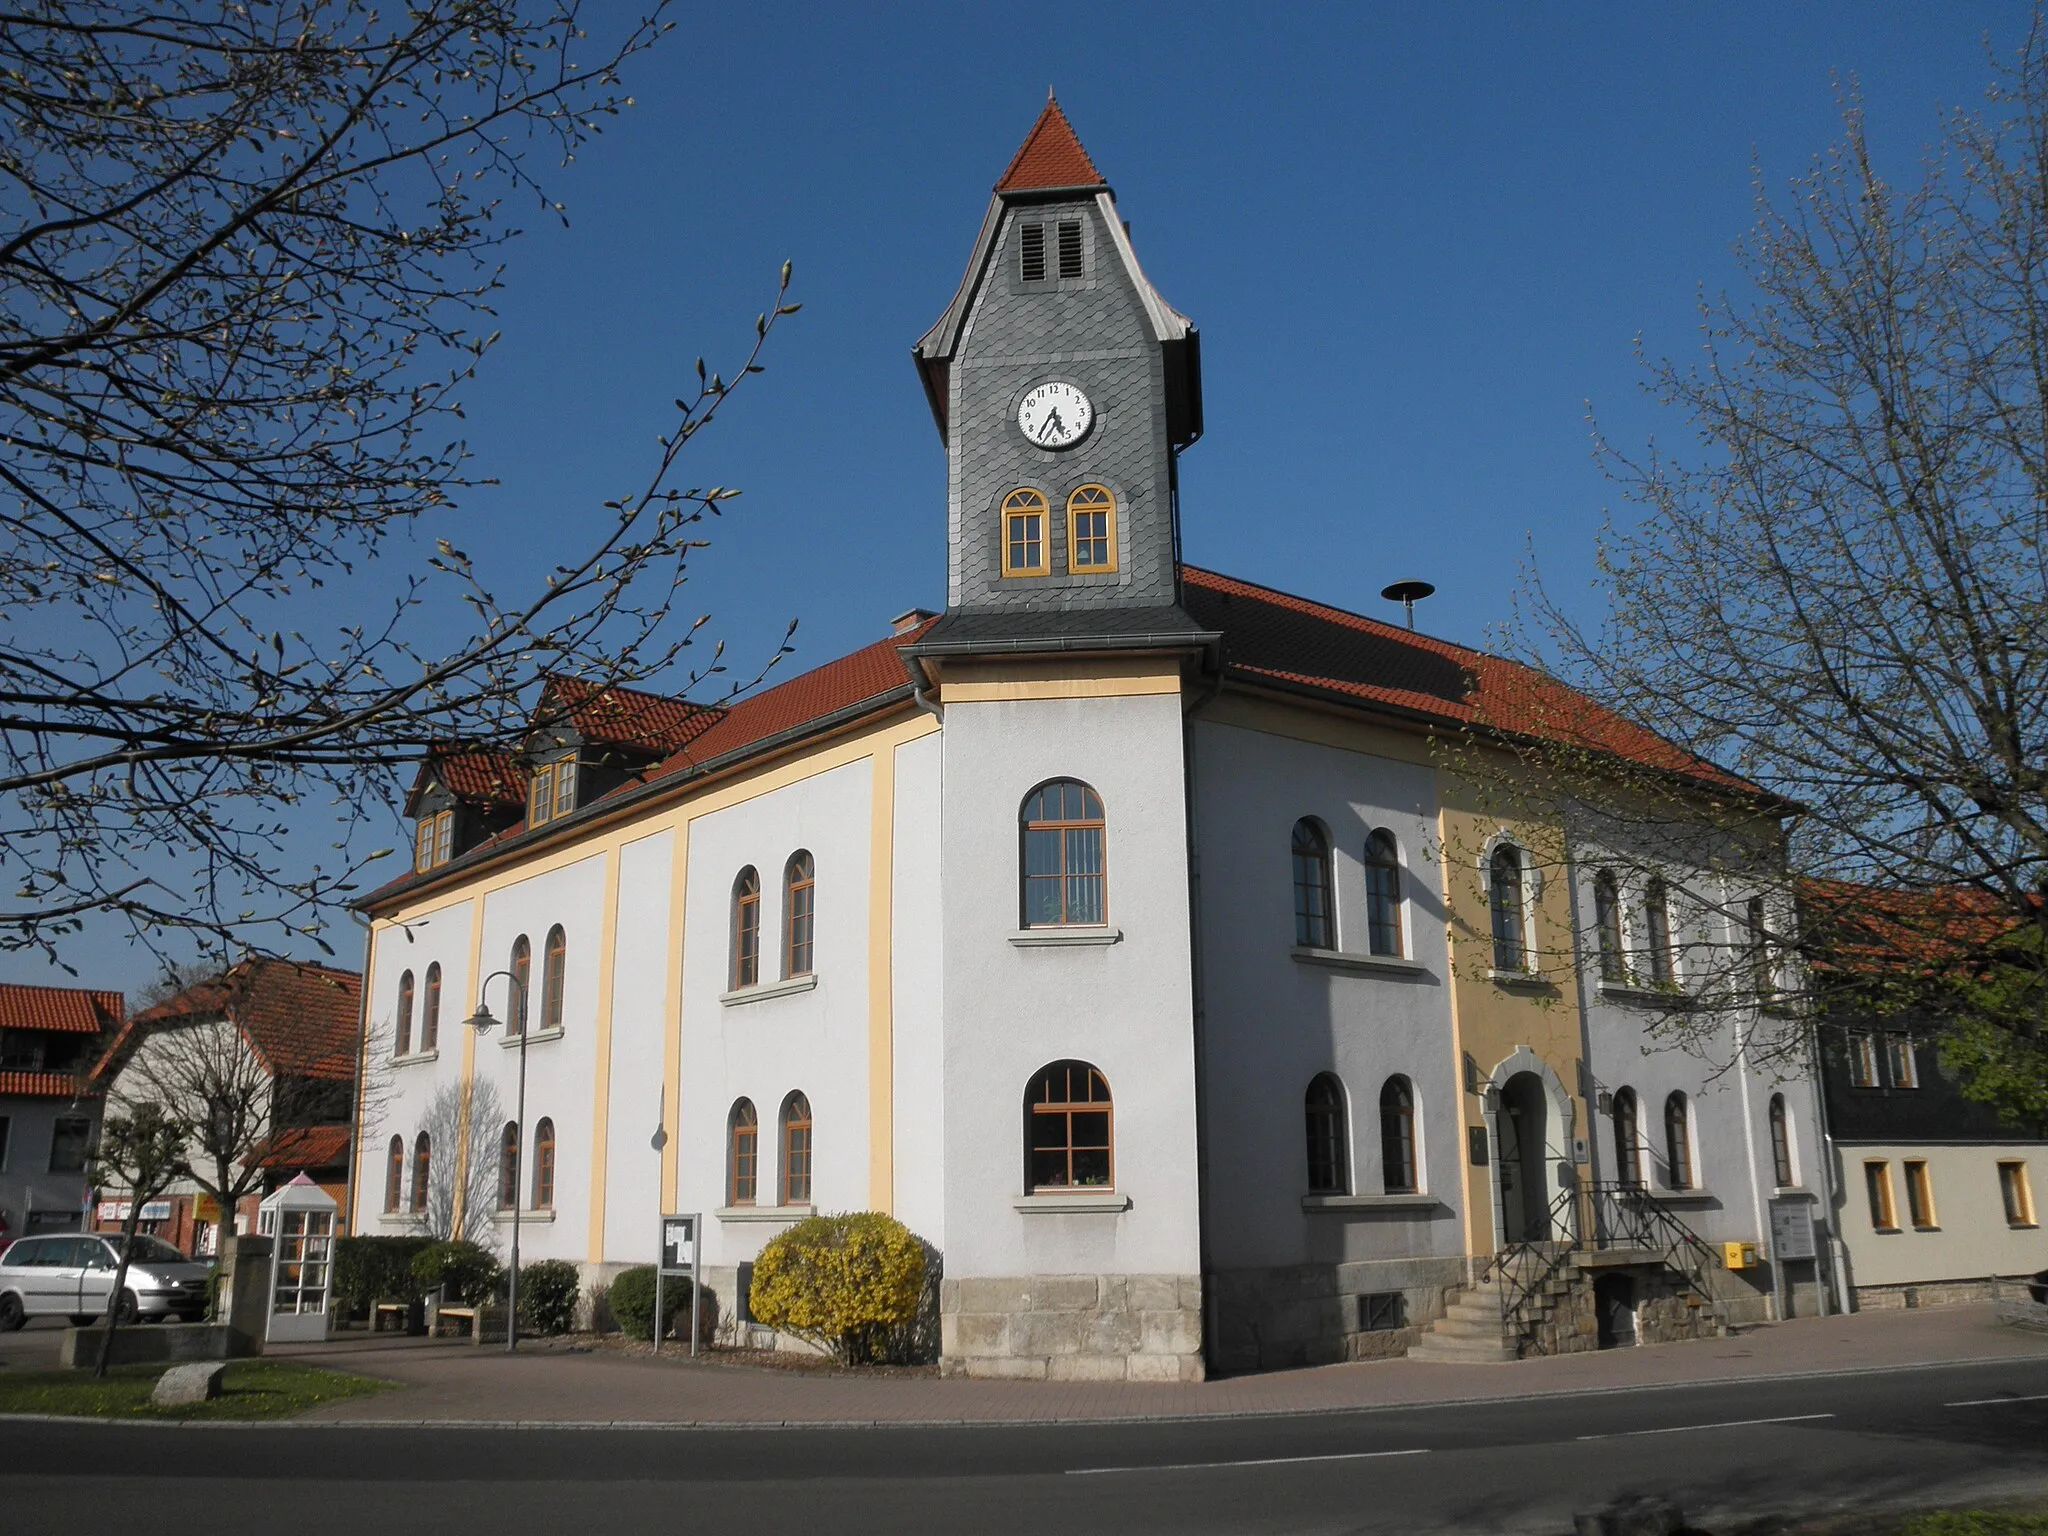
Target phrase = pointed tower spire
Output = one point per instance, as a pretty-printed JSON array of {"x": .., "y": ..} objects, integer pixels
[{"x": 1051, "y": 156}]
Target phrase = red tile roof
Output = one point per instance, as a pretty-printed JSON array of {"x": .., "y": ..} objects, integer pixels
[
  {"x": 1277, "y": 637},
  {"x": 301, "y": 1018},
  {"x": 1050, "y": 156},
  {"x": 39, "y": 1085},
  {"x": 68, "y": 1010},
  {"x": 626, "y": 717},
  {"x": 484, "y": 775},
  {"x": 1856, "y": 927},
  {"x": 308, "y": 1146}
]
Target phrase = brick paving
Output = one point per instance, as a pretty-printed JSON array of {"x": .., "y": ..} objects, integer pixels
[{"x": 452, "y": 1382}]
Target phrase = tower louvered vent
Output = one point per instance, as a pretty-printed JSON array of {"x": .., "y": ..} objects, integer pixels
[
  {"x": 1032, "y": 260},
  {"x": 1070, "y": 248}
]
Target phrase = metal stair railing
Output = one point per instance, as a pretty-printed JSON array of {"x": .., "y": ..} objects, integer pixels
[
  {"x": 1628, "y": 1215},
  {"x": 1526, "y": 1270}
]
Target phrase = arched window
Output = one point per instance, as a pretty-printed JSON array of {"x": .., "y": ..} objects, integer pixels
[
  {"x": 1383, "y": 894},
  {"x": 742, "y": 1153},
  {"x": 1678, "y": 1143},
  {"x": 422, "y": 1170},
  {"x": 544, "y": 1165},
  {"x": 799, "y": 915},
  {"x": 402, "y": 1045},
  {"x": 1025, "y": 546},
  {"x": 430, "y": 1010},
  {"x": 1628, "y": 1138},
  {"x": 1312, "y": 906},
  {"x": 1763, "y": 959},
  {"x": 508, "y": 1166},
  {"x": 394, "y": 1174},
  {"x": 1781, "y": 1144},
  {"x": 522, "y": 979},
  {"x": 1067, "y": 1129},
  {"x": 1657, "y": 931},
  {"x": 1329, "y": 1137},
  {"x": 1504, "y": 896},
  {"x": 554, "y": 961},
  {"x": 1062, "y": 827},
  {"x": 1607, "y": 924},
  {"x": 1091, "y": 530},
  {"x": 796, "y": 1150},
  {"x": 1397, "y": 1136},
  {"x": 746, "y": 929}
]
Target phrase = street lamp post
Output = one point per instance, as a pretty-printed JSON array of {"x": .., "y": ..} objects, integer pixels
[{"x": 481, "y": 1021}]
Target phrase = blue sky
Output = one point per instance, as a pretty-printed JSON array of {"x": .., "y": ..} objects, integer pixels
[{"x": 1419, "y": 241}]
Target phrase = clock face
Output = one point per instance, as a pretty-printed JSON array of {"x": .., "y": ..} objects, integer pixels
[{"x": 1055, "y": 415}]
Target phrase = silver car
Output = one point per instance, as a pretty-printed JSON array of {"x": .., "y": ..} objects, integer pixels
[{"x": 73, "y": 1276}]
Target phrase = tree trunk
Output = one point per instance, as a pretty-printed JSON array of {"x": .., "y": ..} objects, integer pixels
[{"x": 120, "y": 1285}]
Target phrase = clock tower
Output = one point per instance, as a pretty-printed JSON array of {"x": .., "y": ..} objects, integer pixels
[{"x": 1064, "y": 386}]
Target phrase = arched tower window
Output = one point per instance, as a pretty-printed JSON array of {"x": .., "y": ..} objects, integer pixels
[
  {"x": 554, "y": 961},
  {"x": 746, "y": 929},
  {"x": 796, "y": 1150},
  {"x": 1313, "y": 928},
  {"x": 394, "y": 1174},
  {"x": 522, "y": 987},
  {"x": 1329, "y": 1137},
  {"x": 402, "y": 1043},
  {"x": 430, "y": 1010},
  {"x": 508, "y": 1166},
  {"x": 1026, "y": 550},
  {"x": 1063, "y": 832},
  {"x": 1781, "y": 1144},
  {"x": 1068, "y": 1123},
  {"x": 1383, "y": 894},
  {"x": 799, "y": 902},
  {"x": 1397, "y": 1136},
  {"x": 1091, "y": 530},
  {"x": 1678, "y": 1142},
  {"x": 1607, "y": 924},
  {"x": 1628, "y": 1138},
  {"x": 1504, "y": 897},
  {"x": 742, "y": 1153},
  {"x": 422, "y": 1170},
  {"x": 544, "y": 1164}
]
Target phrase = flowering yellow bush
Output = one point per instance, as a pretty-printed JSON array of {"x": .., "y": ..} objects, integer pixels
[{"x": 848, "y": 1283}]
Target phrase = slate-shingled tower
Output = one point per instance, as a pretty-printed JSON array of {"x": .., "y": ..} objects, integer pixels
[{"x": 1053, "y": 292}]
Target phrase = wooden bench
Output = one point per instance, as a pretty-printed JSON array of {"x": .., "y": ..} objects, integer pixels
[
  {"x": 465, "y": 1315},
  {"x": 482, "y": 1324},
  {"x": 388, "y": 1314}
]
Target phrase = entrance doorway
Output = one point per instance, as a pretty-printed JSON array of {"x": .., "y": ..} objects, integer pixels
[
  {"x": 1614, "y": 1305},
  {"x": 1524, "y": 1133}
]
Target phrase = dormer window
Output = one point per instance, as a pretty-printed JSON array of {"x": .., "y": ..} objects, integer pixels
[
  {"x": 434, "y": 841},
  {"x": 552, "y": 794},
  {"x": 565, "y": 786}
]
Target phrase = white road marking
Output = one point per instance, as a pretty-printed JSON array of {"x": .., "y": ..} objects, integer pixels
[
  {"x": 1267, "y": 1461},
  {"x": 1679, "y": 1429},
  {"x": 1986, "y": 1402}
]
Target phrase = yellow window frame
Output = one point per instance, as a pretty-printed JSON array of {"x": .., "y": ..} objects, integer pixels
[
  {"x": 1091, "y": 501},
  {"x": 1020, "y": 508}
]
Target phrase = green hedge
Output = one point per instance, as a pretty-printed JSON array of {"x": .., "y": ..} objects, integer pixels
[
  {"x": 372, "y": 1269},
  {"x": 466, "y": 1273},
  {"x": 631, "y": 1298},
  {"x": 547, "y": 1295}
]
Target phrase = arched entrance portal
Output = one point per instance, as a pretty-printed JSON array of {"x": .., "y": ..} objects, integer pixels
[{"x": 1524, "y": 1133}]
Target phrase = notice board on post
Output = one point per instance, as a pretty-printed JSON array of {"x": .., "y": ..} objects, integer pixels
[
  {"x": 682, "y": 1237},
  {"x": 1792, "y": 1229}
]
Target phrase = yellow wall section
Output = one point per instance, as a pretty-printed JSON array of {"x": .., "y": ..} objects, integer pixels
[
  {"x": 881, "y": 985},
  {"x": 1098, "y": 677}
]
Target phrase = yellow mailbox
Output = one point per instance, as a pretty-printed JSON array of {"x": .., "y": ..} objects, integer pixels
[{"x": 1738, "y": 1255}]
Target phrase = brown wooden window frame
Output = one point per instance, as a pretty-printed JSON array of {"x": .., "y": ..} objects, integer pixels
[
  {"x": 1862, "y": 1052},
  {"x": 543, "y": 1164},
  {"x": 1071, "y": 879},
  {"x": 401, "y": 1041},
  {"x": 1901, "y": 1065},
  {"x": 742, "y": 1154},
  {"x": 1327, "y": 1122},
  {"x": 508, "y": 1166},
  {"x": 1782, "y": 1168},
  {"x": 1628, "y": 1138},
  {"x": 1877, "y": 1185},
  {"x": 799, "y": 914},
  {"x": 1508, "y": 908},
  {"x": 798, "y": 1150},
  {"x": 1315, "y": 907},
  {"x": 2016, "y": 1191},
  {"x": 422, "y": 1171},
  {"x": 519, "y": 994},
  {"x": 554, "y": 967},
  {"x": 1091, "y": 529},
  {"x": 745, "y": 970},
  {"x": 1026, "y": 530},
  {"x": 394, "y": 1175},
  {"x": 1042, "y": 1109},
  {"x": 1400, "y": 1161},
  {"x": 1383, "y": 926},
  {"x": 1920, "y": 1206},
  {"x": 1607, "y": 928},
  {"x": 1660, "y": 964},
  {"x": 1681, "y": 1170},
  {"x": 430, "y": 1011}
]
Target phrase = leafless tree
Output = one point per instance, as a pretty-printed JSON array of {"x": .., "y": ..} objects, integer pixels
[
  {"x": 141, "y": 1151},
  {"x": 247, "y": 256},
  {"x": 462, "y": 1181},
  {"x": 1838, "y": 595}
]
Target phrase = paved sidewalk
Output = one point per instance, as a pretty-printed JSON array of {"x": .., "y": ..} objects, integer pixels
[{"x": 459, "y": 1383}]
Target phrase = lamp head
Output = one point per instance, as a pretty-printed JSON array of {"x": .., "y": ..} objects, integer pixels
[{"x": 481, "y": 1021}]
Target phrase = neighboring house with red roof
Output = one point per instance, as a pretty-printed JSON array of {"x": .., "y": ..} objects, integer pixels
[
  {"x": 48, "y": 1037},
  {"x": 1122, "y": 929},
  {"x": 262, "y": 1059}
]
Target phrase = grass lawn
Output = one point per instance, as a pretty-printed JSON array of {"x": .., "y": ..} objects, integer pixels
[{"x": 251, "y": 1389}]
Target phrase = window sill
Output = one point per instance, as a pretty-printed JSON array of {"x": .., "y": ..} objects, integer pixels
[
  {"x": 2023, "y": 1226},
  {"x": 1645, "y": 997},
  {"x": 1917, "y": 1227},
  {"x": 1886, "y": 1231},
  {"x": 1077, "y": 1201},
  {"x": 760, "y": 991},
  {"x": 414, "y": 1058},
  {"x": 1061, "y": 938},
  {"x": 762, "y": 1212},
  {"x": 1519, "y": 981},
  {"x": 526, "y": 1218},
  {"x": 1316, "y": 1204},
  {"x": 1682, "y": 1196},
  {"x": 533, "y": 1037},
  {"x": 401, "y": 1218},
  {"x": 1793, "y": 1192},
  {"x": 1345, "y": 960}
]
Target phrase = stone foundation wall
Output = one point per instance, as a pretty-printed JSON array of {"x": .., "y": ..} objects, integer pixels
[
  {"x": 1310, "y": 1314},
  {"x": 1073, "y": 1327},
  {"x": 1930, "y": 1293}
]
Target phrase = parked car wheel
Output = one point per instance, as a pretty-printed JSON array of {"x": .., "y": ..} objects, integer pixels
[
  {"x": 129, "y": 1309},
  {"x": 11, "y": 1314}
]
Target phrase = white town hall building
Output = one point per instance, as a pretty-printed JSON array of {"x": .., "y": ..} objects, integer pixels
[{"x": 1117, "y": 930}]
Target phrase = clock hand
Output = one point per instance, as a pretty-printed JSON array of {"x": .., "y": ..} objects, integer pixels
[{"x": 1052, "y": 424}]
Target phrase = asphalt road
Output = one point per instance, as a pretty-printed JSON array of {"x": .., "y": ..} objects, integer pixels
[{"x": 1729, "y": 1453}]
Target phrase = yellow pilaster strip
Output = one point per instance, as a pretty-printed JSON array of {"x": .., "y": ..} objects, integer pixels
[
  {"x": 600, "y": 1110},
  {"x": 469, "y": 1000},
  {"x": 881, "y": 993},
  {"x": 672, "y": 1014},
  {"x": 1477, "y": 1182}
]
